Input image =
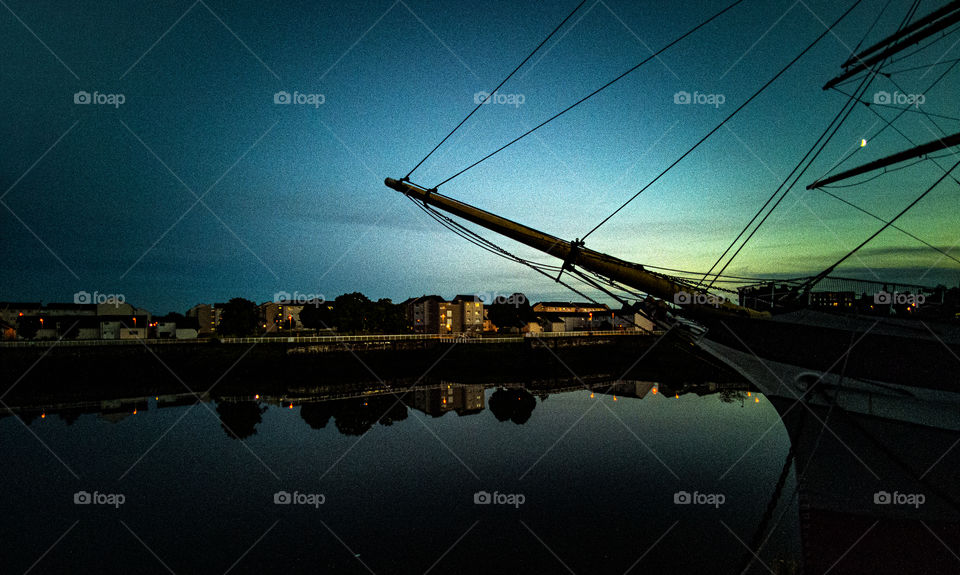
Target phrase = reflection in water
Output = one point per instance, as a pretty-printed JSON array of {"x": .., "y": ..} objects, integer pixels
[
  {"x": 515, "y": 405},
  {"x": 356, "y": 411},
  {"x": 239, "y": 419},
  {"x": 318, "y": 414},
  {"x": 849, "y": 485},
  {"x": 878, "y": 493}
]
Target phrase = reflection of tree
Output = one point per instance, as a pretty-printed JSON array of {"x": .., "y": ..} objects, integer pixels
[
  {"x": 357, "y": 416},
  {"x": 397, "y": 412},
  {"x": 239, "y": 419},
  {"x": 69, "y": 417},
  {"x": 732, "y": 395},
  {"x": 317, "y": 415},
  {"x": 514, "y": 404}
]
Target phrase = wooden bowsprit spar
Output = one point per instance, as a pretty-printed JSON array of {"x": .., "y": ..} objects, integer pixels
[{"x": 574, "y": 254}]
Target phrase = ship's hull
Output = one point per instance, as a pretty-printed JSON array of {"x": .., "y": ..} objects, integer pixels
[
  {"x": 909, "y": 354},
  {"x": 877, "y": 451}
]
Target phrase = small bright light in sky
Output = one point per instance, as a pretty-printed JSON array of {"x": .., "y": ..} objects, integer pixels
[{"x": 863, "y": 142}]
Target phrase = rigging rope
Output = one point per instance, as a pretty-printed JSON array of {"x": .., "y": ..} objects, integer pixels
[
  {"x": 481, "y": 103},
  {"x": 592, "y": 94},
  {"x": 876, "y": 217},
  {"x": 888, "y": 124},
  {"x": 841, "y": 117},
  {"x": 725, "y": 120},
  {"x": 812, "y": 282}
]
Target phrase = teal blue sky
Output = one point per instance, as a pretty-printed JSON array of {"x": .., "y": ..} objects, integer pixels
[{"x": 103, "y": 198}]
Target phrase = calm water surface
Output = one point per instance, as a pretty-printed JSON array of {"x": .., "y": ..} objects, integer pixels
[{"x": 578, "y": 481}]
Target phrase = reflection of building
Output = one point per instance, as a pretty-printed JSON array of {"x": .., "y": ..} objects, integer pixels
[
  {"x": 117, "y": 410},
  {"x": 461, "y": 398},
  {"x": 627, "y": 388}
]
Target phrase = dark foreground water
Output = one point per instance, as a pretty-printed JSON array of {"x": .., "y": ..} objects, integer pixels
[{"x": 576, "y": 481}]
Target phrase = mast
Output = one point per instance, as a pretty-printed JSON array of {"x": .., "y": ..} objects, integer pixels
[
  {"x": 909, "y": 29},
  {"x": 915, "y": 152},
  {"x": 573, "y": 253},
  {"x": 922, "y": 29}
]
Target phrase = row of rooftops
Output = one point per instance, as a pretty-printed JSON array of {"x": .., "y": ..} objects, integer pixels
[
  {"x": 544, "y": 306},
  {"x": 92, "y": 307}
]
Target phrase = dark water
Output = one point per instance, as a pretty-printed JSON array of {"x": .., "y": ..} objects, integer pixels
[{"x": 583, "y": 482}]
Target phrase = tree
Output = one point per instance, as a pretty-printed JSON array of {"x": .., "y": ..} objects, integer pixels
[
  {"x": 238, "y": 318},
  {"x": 513, "y": 311},
  {"x": 386, "y": 317},
  {"x": 28, "y": 326},
  {"x": 317, "y": 315},
  {"x": 350, "y": 312}
]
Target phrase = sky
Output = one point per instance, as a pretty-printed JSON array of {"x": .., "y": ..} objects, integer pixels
[{"x": 183, "y": 180}]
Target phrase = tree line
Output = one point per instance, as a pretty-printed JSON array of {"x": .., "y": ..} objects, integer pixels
[{"x": 348, "y": 313}]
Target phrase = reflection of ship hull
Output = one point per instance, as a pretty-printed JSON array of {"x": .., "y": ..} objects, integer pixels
[
  {"x": 855, "y": 437},
  {"x": 843, "y": 461}
]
